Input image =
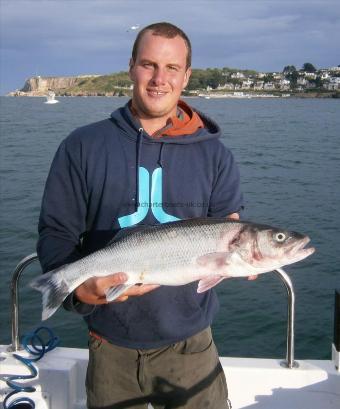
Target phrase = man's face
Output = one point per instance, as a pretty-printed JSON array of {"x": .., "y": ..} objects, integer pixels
[{"x": 159, "y": 75}]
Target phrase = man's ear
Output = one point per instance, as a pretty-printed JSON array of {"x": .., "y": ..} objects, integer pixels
[
  {"x": 131, "y": 65},
  {"x": 187, "y": 77}
]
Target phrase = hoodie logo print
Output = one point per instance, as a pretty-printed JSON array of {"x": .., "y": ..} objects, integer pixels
[{"x": 148, "y": 199}]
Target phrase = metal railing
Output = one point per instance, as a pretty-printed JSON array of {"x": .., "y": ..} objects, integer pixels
[
  {"x": 288, "y": 363},
  {"x": 15, "y": 299}
]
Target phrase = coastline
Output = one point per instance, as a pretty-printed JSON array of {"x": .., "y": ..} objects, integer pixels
[
  {"x": 205, "y": 83},
  {"x": 198, "y": 94}
]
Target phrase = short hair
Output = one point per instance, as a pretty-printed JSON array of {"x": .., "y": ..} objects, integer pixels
[{"x": 167, "y": 30}]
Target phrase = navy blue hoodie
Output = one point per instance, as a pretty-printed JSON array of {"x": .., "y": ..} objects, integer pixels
[{"x": 111, "y": 175}]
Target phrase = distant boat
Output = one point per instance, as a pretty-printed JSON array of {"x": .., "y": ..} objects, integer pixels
[{"x": 50, "y": 98}]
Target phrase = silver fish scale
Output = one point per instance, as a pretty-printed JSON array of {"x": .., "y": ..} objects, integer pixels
[
  {"x": 167, "y": 253},
  {"x": 160, "y": 251}
]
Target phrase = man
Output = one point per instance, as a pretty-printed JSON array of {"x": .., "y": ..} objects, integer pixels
[{"x": 155, "y": 160}]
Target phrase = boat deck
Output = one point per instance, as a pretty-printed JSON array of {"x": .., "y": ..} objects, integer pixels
[
  {"x": 253, "y": 383},
  {"x": 265, "y": 384}
]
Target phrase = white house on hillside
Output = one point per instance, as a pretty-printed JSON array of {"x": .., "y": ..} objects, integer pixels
[
  {"x": 247, "y": 84},
  {"x": 309, "y": 75},
  {"x": 269, "y": 86},
  {"x": 284, "y": 84},
  {"x": 277, "y": 76},
  {"x": 302, "y": 81},
  {"x": 258, "y": 85},
  {"x": 237, "y": 75}
]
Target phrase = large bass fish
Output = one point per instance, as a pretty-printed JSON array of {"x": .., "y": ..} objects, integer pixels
[{"x": 207, "y": 250}]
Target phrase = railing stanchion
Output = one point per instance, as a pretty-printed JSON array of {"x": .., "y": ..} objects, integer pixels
[
  {"x": 289, "y": 363},
  {"x": 15, "y": 299}
]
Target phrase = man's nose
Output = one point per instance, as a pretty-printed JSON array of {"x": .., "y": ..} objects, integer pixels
[{"x": 159, "y": 77}]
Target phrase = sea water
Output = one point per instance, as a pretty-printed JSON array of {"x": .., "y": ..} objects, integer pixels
[{"x": 288, "y": 153}]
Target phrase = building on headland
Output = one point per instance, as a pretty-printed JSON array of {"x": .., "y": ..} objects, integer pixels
[
  {"x": 333, "y": 84},
  {"x": 326, "y": 79},
  {"x": 237, "y": 75},
  {"x": 227, "y": 86},
  {"x": 284, "y": 84},
  {"x": 302, "y": 81},
  {"x": 308, "y": 75},
  {"x": 247, "y": 84},
  {"x": 258, "y": 85},
  {"x": 269, "y": 86}
]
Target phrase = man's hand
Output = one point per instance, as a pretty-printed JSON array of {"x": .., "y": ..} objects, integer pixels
[
  {"x": 233, "y": 216},
  {"x": 93, "y": 291},
  {"x": 236, "y": 216}
]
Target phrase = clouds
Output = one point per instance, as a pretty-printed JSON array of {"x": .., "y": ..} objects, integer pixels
[
  {"x": 267, "y": 35},
  {"x": 90, "y": 36}
]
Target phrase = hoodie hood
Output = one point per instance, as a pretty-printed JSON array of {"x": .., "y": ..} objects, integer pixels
[{"x": 190, "y": 126}]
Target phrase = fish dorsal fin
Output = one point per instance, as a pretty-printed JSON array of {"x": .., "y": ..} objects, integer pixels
[
  {"x": 208, "y": 282},
  {"x": 127, "y": 231}
]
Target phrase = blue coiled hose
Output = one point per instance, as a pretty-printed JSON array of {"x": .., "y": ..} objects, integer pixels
[{"x": 34, "y": 344}]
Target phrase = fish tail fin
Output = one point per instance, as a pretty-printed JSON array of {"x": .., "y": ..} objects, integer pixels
[{"x": 53, "y": 289}]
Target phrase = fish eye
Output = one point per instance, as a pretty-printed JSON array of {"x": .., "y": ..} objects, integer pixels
[{"x": 280, "y": 237}]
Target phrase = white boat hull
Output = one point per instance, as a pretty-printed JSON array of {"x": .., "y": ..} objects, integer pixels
[{"x": 252, "y": 383}]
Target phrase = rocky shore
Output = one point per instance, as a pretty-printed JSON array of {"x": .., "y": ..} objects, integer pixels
[
  {"x": 68, "y": 94},
  {"x": 82, "y": 85}
]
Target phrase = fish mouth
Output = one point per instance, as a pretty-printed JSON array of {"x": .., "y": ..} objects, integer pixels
[{"x": 298, "y": 250}]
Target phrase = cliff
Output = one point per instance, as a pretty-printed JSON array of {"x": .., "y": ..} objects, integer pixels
[
  {"x": 82, "y": 85},
  {"x": 43, "y": 84}
]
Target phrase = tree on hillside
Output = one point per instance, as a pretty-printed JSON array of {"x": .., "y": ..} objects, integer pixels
[
  {"x": 308, "y": 67},
  {"x": 198, "y": 79},
  {"x": 318, "y": 82},
  {"x": 194, "y": 83},
  {"x": 215, "y": 77},
  {"x": 292, "y": 77},
  {"x": 289, "y": 69},
  {"x": 268, "y": 78}
]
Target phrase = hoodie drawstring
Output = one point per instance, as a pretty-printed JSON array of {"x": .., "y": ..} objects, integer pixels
[
  {"x": 138, "y": 158},
  {"x": 160, "y": 158}
]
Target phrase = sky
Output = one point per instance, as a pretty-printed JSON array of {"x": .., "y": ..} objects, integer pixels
[{"x": 78, "y": 37}]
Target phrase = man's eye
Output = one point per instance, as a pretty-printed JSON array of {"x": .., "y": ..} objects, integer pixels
[
  {"x": 172, "y": 68},
  {"x": 147, "y": 65}
]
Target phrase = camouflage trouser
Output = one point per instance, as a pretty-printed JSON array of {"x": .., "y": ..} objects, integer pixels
[{"x": 187, "y": 375}]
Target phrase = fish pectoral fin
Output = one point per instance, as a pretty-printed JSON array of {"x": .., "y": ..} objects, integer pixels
[
  {"x": 208, "y": 282},
  {"x": 213, "y": 261},
  {"x": 115, "y": 292}
]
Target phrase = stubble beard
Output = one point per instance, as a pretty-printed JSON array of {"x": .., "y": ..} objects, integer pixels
[{"x": 146, "y": 111}]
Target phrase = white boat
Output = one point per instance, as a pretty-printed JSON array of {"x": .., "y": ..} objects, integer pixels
[
  {"x": 50, "y": 98},
  {"x": 253, "y": 383}
]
